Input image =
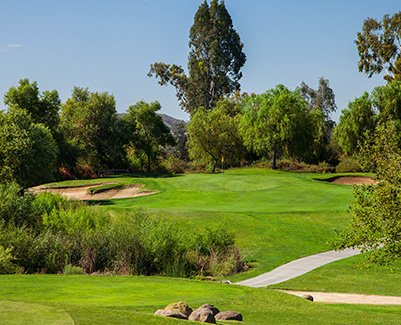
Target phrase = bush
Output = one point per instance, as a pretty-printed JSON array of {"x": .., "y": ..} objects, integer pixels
[
  {"x": 72, "y": 233},
  {"x": 174, "y": 165},
  {"x": 73, "y": 270},
  {"x": 6, "y": 264},
  {"x": 16, "y": 207},
  {"x": 35, "y": 251},
  {"x": 348, "y": 165}
]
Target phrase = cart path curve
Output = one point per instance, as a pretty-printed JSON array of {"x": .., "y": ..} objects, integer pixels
[{"x": 297, "y": 267}]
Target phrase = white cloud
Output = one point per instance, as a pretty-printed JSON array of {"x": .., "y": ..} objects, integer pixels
[{"x": 15, "y": 45}]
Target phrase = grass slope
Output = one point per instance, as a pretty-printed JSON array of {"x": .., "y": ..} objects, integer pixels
[
  {"x": 133, "y": 300},
  {"x": 276, "y": 216}
]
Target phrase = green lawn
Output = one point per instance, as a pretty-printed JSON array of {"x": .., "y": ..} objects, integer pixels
[
  {"x": 60, "y": 299},
  {"x": 276, "y": 217}
]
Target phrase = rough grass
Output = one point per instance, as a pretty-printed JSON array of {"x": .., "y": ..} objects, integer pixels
[{"x": 133, "y": 300}]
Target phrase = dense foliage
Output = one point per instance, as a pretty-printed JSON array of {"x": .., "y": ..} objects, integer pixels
[
  {"x": 47, "y": 232},
  {"x": 214, "y": 61},
  {"x": 28, "y": 152},
  {"x": 214, "y": 135},
  {"x": 149, "y": 133},
  {"x": 376, "y": 209},
  {"x": 91, "y": 125},
  {"x": 278, "y": 123},
  {"x": 379, "y": 47}
]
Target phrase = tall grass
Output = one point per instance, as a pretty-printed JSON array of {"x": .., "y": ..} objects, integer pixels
[{"x": 62, "y": 232}]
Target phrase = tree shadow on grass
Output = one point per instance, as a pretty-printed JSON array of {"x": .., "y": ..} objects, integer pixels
[
  {"x": 99, "y": 202},
  {"x": 144, "y": 175}
]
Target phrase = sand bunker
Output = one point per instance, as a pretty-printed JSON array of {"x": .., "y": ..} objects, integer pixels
[
  {"x": 349, "y": 180},
  {"x": 81, "y": 192},
  {"x": 347, "y": 298}
]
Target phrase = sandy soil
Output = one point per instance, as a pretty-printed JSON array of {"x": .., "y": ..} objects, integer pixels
[
  {"x": 347, "y": 298},
  {"x": 81, "y": 192},
  {"x": 349, "y": 180}
]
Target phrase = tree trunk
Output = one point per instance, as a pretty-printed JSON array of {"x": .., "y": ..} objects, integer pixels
[
  {"x": 214, "y": 166},
  {"x": 274, "y": 159},
  {"x": 149, "y": 164}
]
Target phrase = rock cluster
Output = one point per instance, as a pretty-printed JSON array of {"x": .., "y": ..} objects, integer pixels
[{"x": 206, "y": 313}]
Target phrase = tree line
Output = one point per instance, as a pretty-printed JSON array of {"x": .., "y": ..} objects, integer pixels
[{"x": 42, "y": 138}]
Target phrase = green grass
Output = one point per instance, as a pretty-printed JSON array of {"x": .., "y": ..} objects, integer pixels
[
  {"x": 349, "y": 275},
  {"x": 276, "y": 216},
  {"x": 133, "y": 300}
]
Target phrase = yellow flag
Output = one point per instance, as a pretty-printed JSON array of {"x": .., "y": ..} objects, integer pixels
[{"x": 222, "y": 158}]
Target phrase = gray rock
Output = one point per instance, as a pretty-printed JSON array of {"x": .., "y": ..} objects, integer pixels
[
  {"x": 308, "y": 297},
  {"x": 214, "y": 309},
  {"x": 229, "y": 315},
  {"x": 204, "y": 315},
  {"x": 171, "y": 313},
  {"x": 180, "y": 306}
]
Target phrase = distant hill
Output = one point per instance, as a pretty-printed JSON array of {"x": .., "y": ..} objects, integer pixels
[{"x": 169, "y": 121}]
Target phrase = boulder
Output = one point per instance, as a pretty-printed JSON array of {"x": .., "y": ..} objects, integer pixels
[
  {"x": 204, "y": 315},
  {"x": 214, "y": 309},
  {"x": 171, "y": 313},
  {"x": 229, "y": 315},
  {"x": 180, "y": 306},
  {"x": 308, "y": 297}
]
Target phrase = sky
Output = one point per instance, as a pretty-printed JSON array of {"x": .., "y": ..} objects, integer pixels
[{"x": 108, "y": 46}]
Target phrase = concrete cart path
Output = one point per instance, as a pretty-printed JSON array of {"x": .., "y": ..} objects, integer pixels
[{"x": 297, "y": 268}]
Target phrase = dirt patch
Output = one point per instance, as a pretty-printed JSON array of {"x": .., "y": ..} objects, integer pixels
[
  {"x": 347, "y": 298},
  {"x": 82, "y": 193},
  {"x": 349, "y": 180}
]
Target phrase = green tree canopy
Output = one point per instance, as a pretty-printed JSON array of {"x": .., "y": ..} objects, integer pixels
[
  {"x": 357, "y": 124},
  {"x": 379, "y": 47},
  {"x": 323, "y": 100},
  {"x": 213, "y": 134},
  {"x": 91, "y": 124},
  {"x": 277, "y": 122},
  {"x": 214, "y": 62},
  {"x": 149, "y": 134},
  {"x": 43, "y": 107},
  {"x": 376, "y": 209},
  {"x": 28, "y": 152}
]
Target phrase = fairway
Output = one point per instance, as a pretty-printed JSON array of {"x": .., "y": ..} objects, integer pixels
[
  {"x": 276, "y": 216},
  {"x": 133, "y": 300},
  {"x": 241, "y": 191}
]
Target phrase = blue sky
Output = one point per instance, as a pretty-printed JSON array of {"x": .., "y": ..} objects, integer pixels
[{"x": 109, "y": 45}]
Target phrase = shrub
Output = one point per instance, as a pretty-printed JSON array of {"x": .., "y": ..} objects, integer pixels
[
  {"x": 6, "y": 264},
  {"x": 174, "y": 165},
  {"x": 347, "y": 165},
  {"x": 16, "y": 207},
  {"x": 35, "y": 251},
  {"x": 72, "y": 270},
  {"x": 72, "y": 233}
]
